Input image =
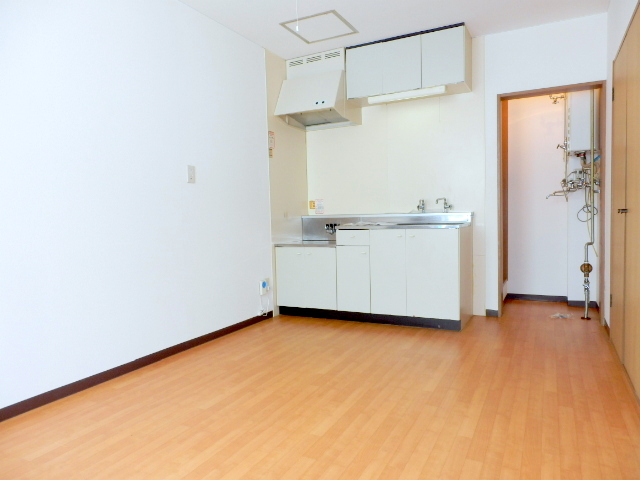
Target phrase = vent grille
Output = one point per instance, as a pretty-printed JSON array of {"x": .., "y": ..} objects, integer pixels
[{"x": 315, "y": 63}]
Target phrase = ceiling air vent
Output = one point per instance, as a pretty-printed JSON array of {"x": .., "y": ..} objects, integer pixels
[
  {"x": 316, "y": 63},
  {"x": 333, "y": 54}
]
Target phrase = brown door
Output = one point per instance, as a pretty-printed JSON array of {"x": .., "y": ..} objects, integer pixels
[
  {"x": 618, "y": 199},
  {"x": 632, "y": 230},
  {"x": 625, "y": 227}
]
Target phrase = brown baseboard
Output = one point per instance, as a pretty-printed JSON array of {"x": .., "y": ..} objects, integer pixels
[{"x": 75, "y": 387}]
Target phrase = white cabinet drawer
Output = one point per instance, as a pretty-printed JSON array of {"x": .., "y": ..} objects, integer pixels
[{"x": 352, "y": 237}]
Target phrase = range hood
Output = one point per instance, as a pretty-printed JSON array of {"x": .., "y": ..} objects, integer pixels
[{"x": 313, "y": 96}]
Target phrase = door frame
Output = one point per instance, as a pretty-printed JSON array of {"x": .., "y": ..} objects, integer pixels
[{"x": 503, "y": 168}]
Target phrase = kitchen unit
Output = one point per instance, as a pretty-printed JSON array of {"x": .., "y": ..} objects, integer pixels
[{"x": 401, "y": 269}]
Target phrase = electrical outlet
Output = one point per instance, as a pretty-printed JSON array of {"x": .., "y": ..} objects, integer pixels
[
  {"x": 264, "y": 286},
  {"x": 191, "y": 174}
]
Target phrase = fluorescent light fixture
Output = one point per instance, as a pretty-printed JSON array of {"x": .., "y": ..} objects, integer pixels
[{"x": 421, "y": 92}]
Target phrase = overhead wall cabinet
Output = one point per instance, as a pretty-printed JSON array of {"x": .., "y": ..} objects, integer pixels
[
  {"x": 439, "y": 58},
  {"x": 382, "y": 68},
  {"x": 446, "y": 59}
]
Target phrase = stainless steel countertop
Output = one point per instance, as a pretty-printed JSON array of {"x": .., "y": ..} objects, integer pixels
[
  {"x": 319, "y": 227},
  {"x": 395, "y": 226},
  {"x": 306, "y": 243}
]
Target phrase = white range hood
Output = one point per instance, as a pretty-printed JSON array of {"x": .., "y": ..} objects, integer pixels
[{"x": 313, "y": 96}]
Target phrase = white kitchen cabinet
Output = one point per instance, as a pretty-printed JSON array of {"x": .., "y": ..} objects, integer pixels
[
  {"x": 386, "y": 67},
  {"x": 388, "y": 272},
  {"x": 306, "y": 277},
  {"x": 352, "y": 237},
  {"x": 446, "y": 59},
  {"x": 440, "y": 273},
  {"x": 401, "y": 69},
  {"x": 364, "y": 70},
  {"x": 441, "y": 57},
  {"x": 433, "y": 276},
  {"x": 353, "y": 279}
]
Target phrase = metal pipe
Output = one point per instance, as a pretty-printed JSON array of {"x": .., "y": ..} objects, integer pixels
[{"x": 586, "y": 268}]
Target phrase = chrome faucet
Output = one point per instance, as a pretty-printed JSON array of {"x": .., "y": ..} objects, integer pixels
[
  {"x": 446, "y": 206},
  {"x": 420, "y": 206}
]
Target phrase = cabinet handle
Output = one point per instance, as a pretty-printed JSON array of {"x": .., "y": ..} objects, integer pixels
[
  {"x": 298, "y": 254},
  {"x": 412, "y": 236},
  {"x": 399, "y": 236},
  {"x": 352, "y": 236},
  {"x": 363, "y": 253}
]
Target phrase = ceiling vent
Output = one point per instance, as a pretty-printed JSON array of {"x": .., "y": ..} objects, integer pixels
[{"x": 328, "y": 61}]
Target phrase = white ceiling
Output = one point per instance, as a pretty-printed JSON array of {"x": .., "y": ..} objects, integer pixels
[{"x": 259, "y": 20}]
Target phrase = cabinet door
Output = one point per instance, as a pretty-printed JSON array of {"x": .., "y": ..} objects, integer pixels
[
  {"x": 290, "y": 270},
  {"x": 320, "y": 277},
  {"x": 306, "y": 277},
  {"x": 433, "y": 273},
  {"x": 364, "y": 71},
  {"x": 388, "y": 272},
  {"x": 401, "y": 68},
  {"x": 354, "y": 280},
  {"x": 443, "y": 57}
]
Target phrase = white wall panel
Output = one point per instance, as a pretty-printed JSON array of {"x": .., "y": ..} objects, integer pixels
[{"x": 107, "y": 254}]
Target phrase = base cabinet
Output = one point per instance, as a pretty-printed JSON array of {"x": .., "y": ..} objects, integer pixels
[
  {"x": 433, "y": 281},
  {"x": 354, "y": 279},
  {"x": 306, "y": 277},
  {"x": 388, "y": 272},
  {"x": 421, "y": 275}
]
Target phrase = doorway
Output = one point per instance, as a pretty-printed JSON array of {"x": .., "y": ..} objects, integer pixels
[{"x": 545, "y": 207}]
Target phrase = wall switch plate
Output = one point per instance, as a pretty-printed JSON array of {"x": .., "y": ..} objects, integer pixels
[
  {"x": 191, "y": 174},
  {"x": 264, "y": 286}
]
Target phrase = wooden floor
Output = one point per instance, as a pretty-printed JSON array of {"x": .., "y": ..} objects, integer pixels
[{"x": 524, "y": 396}]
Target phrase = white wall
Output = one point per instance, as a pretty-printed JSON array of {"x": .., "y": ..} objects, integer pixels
[
  {"x": 618, "y": 19},
  {"x": 537, "y": 226},
  {"x": 557, "y": 54},
  {"x": 288, "y": 165},
  {"x": 406, "y": 151},
  {"x": 107, "y": 254}
]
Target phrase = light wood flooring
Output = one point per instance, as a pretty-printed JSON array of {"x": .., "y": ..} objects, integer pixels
[{"x": 524, "y": 396}]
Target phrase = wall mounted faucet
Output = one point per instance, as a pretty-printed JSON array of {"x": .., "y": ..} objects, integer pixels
[
  {"x": 420, "y": 206},
  {"x": 446, "y": 207}
]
